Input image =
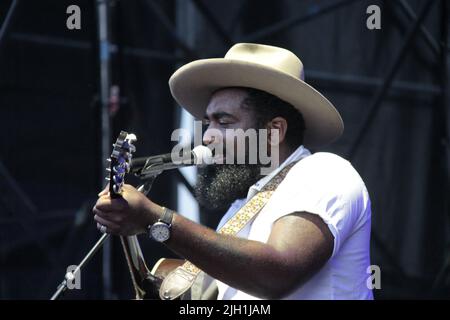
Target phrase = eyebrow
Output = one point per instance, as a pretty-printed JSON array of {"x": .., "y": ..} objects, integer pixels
[{"x": 219, "y": 115}]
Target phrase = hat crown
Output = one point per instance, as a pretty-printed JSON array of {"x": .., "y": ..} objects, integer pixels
[{"x": 273, "y": 57}]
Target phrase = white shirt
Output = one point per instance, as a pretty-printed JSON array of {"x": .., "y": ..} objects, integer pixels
[{"x": 327, "y": 185}]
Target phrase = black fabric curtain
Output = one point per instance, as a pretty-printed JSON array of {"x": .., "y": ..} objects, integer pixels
[{"x": 50, "y": 161}]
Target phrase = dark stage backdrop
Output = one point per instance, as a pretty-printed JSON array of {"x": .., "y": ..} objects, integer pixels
[{"x": 50, "y": 164}]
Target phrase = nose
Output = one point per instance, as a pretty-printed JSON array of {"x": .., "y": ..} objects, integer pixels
[
  {"x": 208, "y": 136},
  {"x": 213, "y": 135}
]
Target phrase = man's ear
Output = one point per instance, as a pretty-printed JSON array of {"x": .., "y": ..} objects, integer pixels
[{"x": 279, "y": 124}]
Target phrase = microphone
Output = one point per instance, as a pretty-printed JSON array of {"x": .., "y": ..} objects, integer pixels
[{"x": 199, "y": 156}]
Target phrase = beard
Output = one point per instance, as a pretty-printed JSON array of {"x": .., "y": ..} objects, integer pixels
[{"x": 218, "y": 186}]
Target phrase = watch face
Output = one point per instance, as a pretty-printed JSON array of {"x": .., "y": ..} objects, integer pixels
[{"x": 160, "y": 231}]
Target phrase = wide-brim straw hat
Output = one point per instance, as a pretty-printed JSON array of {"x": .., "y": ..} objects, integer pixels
[{"x": 271, "y": 69}]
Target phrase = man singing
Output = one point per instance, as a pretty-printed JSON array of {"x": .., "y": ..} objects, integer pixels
[{"x": 302, "y": 231}]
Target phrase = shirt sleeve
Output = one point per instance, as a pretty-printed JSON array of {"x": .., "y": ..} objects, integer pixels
[{"x": 322, "y": 184}]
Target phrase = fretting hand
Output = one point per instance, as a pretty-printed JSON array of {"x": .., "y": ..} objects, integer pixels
[{"x": 127, "y": 215}]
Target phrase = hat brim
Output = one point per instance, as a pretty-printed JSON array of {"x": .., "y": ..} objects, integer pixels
[{"x": 193, "y": 85}]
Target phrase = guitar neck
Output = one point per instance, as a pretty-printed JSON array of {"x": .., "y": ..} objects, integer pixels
[
  {"x": 144, "y": 283},
  {"x": 139, "y": 272},
  {"x": 120, "y": 164}
]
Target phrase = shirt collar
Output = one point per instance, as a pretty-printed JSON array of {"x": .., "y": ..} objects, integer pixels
[{"x": 300, "y": 153}]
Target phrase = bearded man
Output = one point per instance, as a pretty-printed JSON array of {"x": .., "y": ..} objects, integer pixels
[{"x": 300, "y": 232}]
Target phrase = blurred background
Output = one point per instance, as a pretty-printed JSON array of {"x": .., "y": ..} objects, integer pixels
[{"x": 57, "y": 87}]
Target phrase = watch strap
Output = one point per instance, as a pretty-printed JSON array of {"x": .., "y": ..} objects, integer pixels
[{"x": 167, "y": 216}]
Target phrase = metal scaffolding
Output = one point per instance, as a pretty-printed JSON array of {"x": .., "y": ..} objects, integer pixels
[{"x": 186, "y": 52}]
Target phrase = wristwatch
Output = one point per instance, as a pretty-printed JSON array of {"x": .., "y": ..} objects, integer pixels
[{"x": 160, "y": 231}]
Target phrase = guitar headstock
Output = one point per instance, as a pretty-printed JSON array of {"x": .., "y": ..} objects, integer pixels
[{"x": 120, "y": 162}]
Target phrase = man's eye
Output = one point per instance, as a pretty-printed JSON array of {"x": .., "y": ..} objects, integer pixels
[{"x": 224, "y": 123}]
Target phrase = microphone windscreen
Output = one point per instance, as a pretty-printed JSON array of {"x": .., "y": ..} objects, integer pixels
[{"x": 202, "y": 155}]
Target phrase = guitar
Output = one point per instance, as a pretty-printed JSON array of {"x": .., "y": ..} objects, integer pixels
[{"x": 146, "y": 283}]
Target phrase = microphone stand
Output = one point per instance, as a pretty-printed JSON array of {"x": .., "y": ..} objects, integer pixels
[
  {"x": 71, "y": 275},
  {"x": 145, "y": 189}
]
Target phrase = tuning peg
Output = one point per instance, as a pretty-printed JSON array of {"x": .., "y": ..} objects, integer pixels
[
  {"x": 119, "y": 169},
  {"x": 131, "y": 137},
  {"x": 118, "y": 179},
  {"x": 116, "y": 188},
  {"x": 107, "y": 179},
  {"x": 108, "y": 169},
  {"x": 109, "y": 159}
]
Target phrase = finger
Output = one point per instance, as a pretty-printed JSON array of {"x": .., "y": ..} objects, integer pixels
[
  {"x": 106, "y": 204},
  {"x": 110, "y": 226},
  {"x": 101, "y": 228},
  {"x": 105, "y": 191},
  {"x": 103, "y": 204},
  {"x": 116, "y": 217},
  {"x": 128, "y": 187}
]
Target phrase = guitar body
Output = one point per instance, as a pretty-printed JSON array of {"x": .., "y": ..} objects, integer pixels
[
  {"x": 146, "y": 283},
  {"x": 155, "y": 277},
  {"x": 164, "y": 266}
]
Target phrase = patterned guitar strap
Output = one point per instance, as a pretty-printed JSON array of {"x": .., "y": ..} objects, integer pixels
[{"x": 182, "y": 278}]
